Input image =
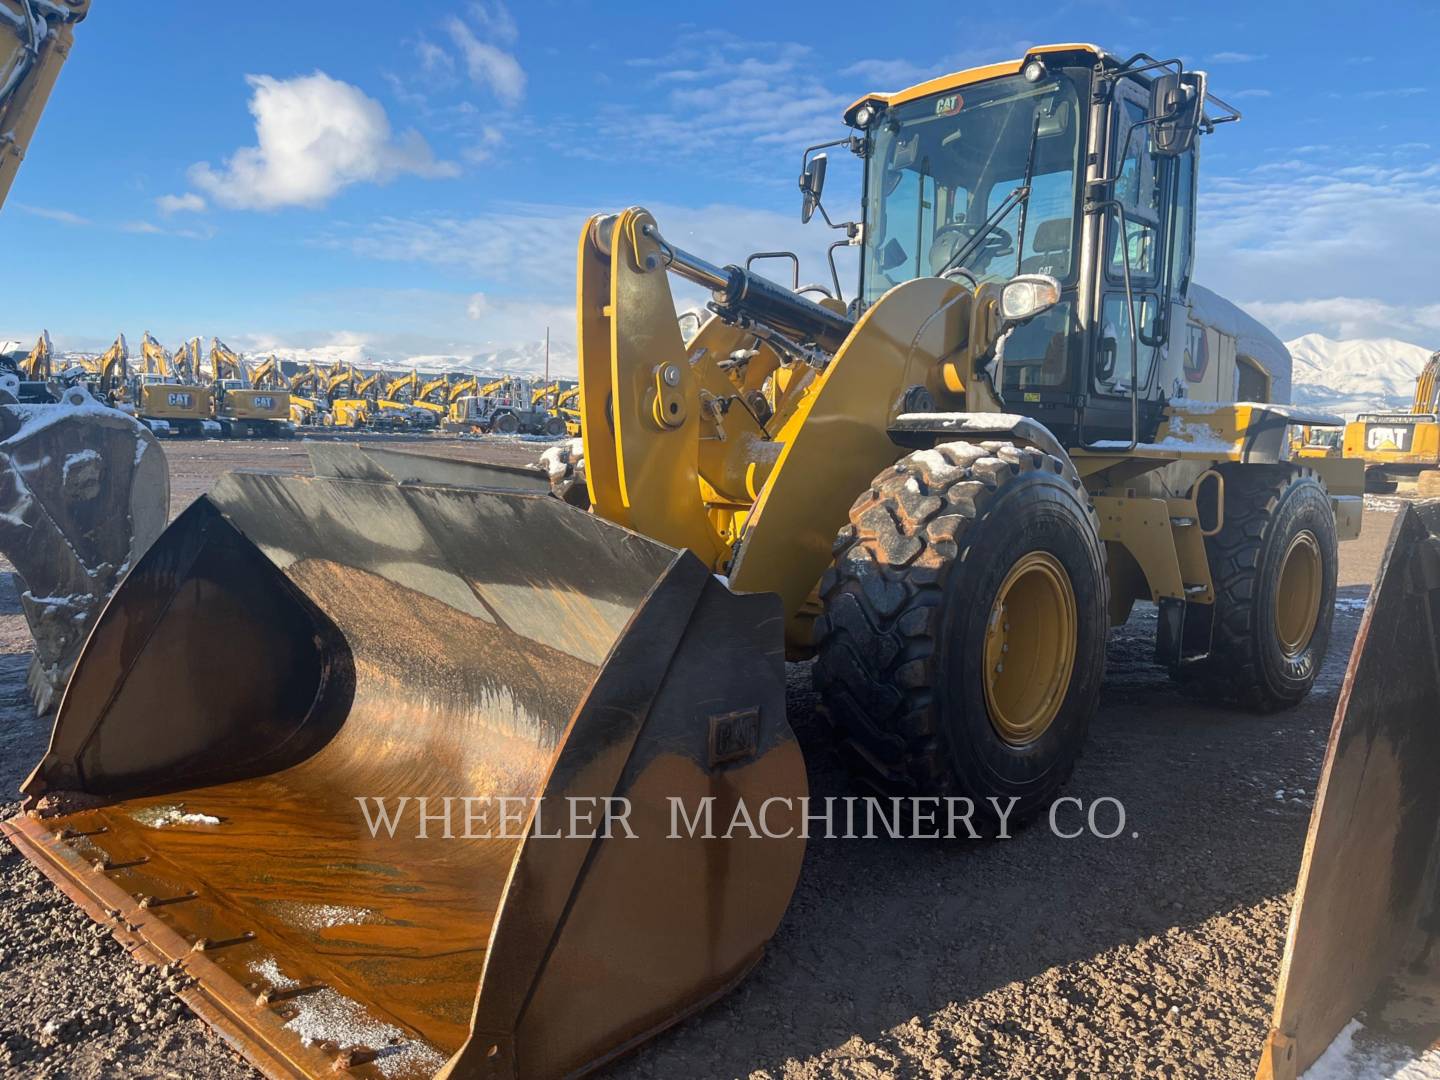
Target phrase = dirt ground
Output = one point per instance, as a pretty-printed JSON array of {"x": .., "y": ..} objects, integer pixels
[{"x": 1151, "y": 954}]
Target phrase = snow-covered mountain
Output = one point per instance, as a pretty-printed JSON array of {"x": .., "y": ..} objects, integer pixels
[
  {"x": 1357, "y": 375},
  {"x": 525, "y": 358}
]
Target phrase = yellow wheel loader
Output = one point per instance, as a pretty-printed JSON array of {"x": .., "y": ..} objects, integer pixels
[
  {"x": 83, "y": 488},
  {"x": 328, "y": 745}
]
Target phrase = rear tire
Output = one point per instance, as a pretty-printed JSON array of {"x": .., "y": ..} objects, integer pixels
[
  {"x": 906, "y": 639},
  {"x": 1378, "y": 482},
  {"x": 505, "y": 424},
  {"x": 554, "y": 427},
  {"x": 1273, "y": 565}
]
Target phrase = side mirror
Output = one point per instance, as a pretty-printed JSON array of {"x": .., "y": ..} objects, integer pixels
[
  {"x": 1176, "y": 102},
  {"x": 812, "y": 183}
]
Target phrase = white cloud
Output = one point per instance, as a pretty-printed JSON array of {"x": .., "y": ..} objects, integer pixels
[
  {"x": 532, "y": 246},
  {"x": 1249, "y": 94},
  {"x": 149, "y": 228},
  {"x": 433, "y": 59},
  {"x": 495, "y": 21},
  {"x": 1351, "y": 249},
  {"x": 484, "y": 146},
  {"x": 888, "y": 74},
  {"x": 1395, "y": 91},
  {"x": 51, "y": 213},
  {"x": 315, "y": 135},
  {"x": 1344, "y": 317},
  {"x": 175, "y": 204},
  {"x": 1235, "y": 57},
  {"x": 488, "y": 64}
]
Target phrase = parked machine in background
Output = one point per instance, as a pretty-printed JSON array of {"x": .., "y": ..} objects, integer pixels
[
  {"x": 242, "y": 408},
  {"x": 1308, "y": 441},
  {"x": 108, "y": 377},
  {"x": 355, "y": 408},
  {"x": 511, "y": 411},
  {"x": 565, "y": 408},
  {"x": 469, "y": 403},
  {"x": 166, "y": 396},
  {"x": 1402, "y": 445}
]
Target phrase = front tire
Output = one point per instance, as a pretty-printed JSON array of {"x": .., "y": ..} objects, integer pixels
[
  {"x": 962, "y": 642},
  {"x": 1273, "y": 565}
]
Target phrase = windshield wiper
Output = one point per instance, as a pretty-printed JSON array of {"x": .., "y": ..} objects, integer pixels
[
  {"x": 1000, "y": 213},
  {"x": 1029, "y": 179}
]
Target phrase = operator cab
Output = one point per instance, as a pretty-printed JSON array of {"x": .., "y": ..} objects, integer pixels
[{"x": 1039, "y": 166}]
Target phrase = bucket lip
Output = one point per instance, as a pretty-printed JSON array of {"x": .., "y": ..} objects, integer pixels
[
  {"x": 216, "y": 997},
  {"x": 216, "y": 498}
]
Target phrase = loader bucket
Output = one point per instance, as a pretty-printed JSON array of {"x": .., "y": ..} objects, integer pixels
[
  {"x": 295, "y": 653},
  {"x": 84, "y": 490},
  {"x": 1362, "y": 931}
]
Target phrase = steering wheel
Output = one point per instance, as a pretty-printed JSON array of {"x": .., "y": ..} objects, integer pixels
[{"x": 951, "y": 237}]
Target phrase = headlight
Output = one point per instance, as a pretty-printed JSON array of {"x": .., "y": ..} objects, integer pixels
[
  {"x": 1028, "y": 295},
  {"x": 1034, "y": 71},
  {"x": 863, "y": 116}
]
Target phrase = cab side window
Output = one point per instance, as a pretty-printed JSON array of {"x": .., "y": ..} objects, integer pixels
[{"x": 1140, "y": 189}]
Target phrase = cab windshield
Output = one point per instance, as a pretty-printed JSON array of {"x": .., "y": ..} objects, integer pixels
[{"x": 942, "y": 166}]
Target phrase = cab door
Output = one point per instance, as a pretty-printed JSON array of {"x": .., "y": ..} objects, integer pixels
[{"x": 1145, "y": 239}]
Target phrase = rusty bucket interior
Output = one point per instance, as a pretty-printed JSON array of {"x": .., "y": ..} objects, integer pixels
[
  {"x": 295, "y": 653},
  {"x": 1362, "y": 941}
]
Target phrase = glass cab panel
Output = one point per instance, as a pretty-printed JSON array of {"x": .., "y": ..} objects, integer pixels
[{"x": 944, "y": 179}]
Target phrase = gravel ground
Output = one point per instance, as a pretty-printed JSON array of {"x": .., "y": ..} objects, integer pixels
[{"x": 1151, "y": 954}]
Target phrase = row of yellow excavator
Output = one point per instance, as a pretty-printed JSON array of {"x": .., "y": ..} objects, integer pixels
[
  {"x": 346, "y": 397},
  {"x": 190, "y": 392},
  {"x": 944, "y": 489},
  {"x": 184, "y": 392}
]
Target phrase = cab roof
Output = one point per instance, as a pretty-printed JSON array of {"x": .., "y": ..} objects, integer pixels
[{"x": 969, "y": 76}]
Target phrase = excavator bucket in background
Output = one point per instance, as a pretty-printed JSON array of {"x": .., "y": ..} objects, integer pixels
[
  {"x": 1362, "y": 942},
  {"x": 84, "y": 490},
  {"x": 296, "y": 654}
]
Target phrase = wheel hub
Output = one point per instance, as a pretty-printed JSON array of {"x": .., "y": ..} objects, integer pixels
[
  {"x": 1030, "y": 648},
  {"x": 1297, "y": 596}
]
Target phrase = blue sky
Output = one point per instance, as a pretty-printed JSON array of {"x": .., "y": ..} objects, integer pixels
[{"x": 174, "y": 184}]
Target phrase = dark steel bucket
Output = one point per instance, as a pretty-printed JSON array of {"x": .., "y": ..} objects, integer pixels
[
  {"x": 1362, "y": 932},
  {"x": 291, "y": 646}
]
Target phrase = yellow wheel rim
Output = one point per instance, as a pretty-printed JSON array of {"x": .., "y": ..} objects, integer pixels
[
  {"x": 1029, "y": 648},
  {"x": 1297, "y": 597}
]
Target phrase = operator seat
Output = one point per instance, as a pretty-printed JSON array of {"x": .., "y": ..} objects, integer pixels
[{"x": 1052, "y": 249}]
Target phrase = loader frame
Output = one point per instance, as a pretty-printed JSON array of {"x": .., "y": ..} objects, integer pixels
[{"x": 675, "y": 446}]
